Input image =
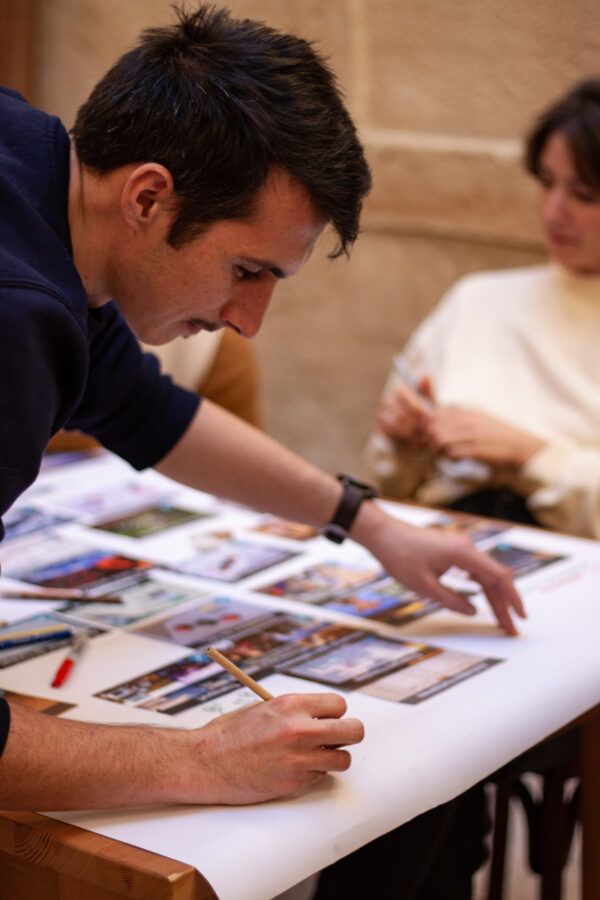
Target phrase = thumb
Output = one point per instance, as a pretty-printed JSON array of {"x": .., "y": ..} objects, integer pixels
[{"x": 426, "y": 387}]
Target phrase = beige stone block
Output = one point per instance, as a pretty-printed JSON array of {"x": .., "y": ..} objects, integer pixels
[
  {"x": 478, "y": 67},
  {"x": 328, "y": 25},
  {"x": 328, "y": 338},
  {"x": 80, "y": 39},
  {"x": 460, "y": 187}
]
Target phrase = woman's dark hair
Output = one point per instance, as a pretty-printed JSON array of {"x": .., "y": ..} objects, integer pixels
[
  {"x": 220, "y": 102},
  {"x": 577, "y": 117}
]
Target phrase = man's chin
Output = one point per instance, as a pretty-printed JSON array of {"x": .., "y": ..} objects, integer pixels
[
  {"x": 159, "y": 339},
  {"x": 178, "y": 330}
]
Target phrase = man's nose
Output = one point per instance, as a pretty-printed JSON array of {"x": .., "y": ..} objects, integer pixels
[{"x": 245, "y": 312}]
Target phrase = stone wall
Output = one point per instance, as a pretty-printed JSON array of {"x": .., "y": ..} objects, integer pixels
[{"x": 442, "y": 94}]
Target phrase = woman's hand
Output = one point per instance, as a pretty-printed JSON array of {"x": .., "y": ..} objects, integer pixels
[
  {"x": 458, "y": 433},
  {"x": 404, "y": 416}
]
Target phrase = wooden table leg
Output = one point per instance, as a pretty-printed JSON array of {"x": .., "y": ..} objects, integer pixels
[{"x": 590, "y": 806}]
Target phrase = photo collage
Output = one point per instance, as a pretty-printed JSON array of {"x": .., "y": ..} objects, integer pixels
[{"x": 272, "y": 596}]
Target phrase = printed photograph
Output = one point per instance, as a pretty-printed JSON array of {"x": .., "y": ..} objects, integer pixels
[
  {"x": 480, "y": 530},
  {"x": 521, "y": 560},
  {"x": 147, "y": 595},
  {"x": 56, "y": 460},
  {"x": 23, "y": 520},
  {"x": 322, "y": 581},
  {"x": 94, "y": 571},
  {"x": 10, "y": 655},
  {"x": 36, "y": 551},
  {"x": 196, "y": 694},
  {"x": 294, "y": 531},
  {"x": 428, "y": 677},
  {"x": 358, "y": 660},
  {"x": 184, "y": 671},
  {"x": 106, "y": 502},
  {"x": 205, "y": 622},
  {"x": 39, "y": 704},
  {"x": 385, "y": 601},
  {"x": 150, "y": 521},
  {"x": 231, "y": 560}
]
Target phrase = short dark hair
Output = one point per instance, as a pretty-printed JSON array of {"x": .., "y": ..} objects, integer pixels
[
  {"x": 577, "y": 117},
  {"x": 221, "y": 102}
]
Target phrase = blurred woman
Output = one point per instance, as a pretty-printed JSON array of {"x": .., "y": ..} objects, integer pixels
[{"x": 494, "y": 407}]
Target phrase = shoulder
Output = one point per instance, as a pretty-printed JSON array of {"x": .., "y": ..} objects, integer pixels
[
  {"x": 484, "y": 300},
  {"x": 499, "y": 281},
  {"x": 494, "y": 291},
  {"x": 33, "y": 311},
  {"x": 23, "y": 126}
]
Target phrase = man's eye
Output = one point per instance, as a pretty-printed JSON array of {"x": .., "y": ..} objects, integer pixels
[{"x": 245, "y": 274}]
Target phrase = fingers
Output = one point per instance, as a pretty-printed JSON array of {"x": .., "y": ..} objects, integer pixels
[
  {"x": 418, "y": 557},
  {"x": 426, "y": 388},
  {"x": 317, "y": 706},
  {"x": 271, "y": 749},
  {"x": 340, "y": 734},
  {"x": 402, "y": 417},
  {"x": 496, "y": 581},
  {"x": 406, "y": 399},
  {"x": 328, "y": 759},
  {"x": 322, "y": 724},
  {"x": 450, "y": 599},
  {"x": 444, "y": 551},
  {"x": 500, "y": 594}
]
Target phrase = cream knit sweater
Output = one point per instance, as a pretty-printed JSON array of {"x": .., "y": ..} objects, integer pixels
[{"x": 522, "y": 345}]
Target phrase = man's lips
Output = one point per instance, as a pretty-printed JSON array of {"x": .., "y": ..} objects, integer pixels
[{"x": 193, "y": 326}]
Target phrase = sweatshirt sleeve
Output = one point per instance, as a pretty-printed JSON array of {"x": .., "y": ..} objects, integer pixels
[
  {"x": 43, "y": 362},
  {"x": 562, "y": 486},
  {"x": 128, "y": 405}
]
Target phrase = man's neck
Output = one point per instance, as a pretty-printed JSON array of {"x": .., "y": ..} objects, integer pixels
[{"x": 88, "y": 223}]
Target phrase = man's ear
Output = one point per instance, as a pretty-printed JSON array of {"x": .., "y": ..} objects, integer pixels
[{"x": 147, "y": 195}]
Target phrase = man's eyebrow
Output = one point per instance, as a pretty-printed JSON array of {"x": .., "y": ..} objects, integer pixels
[{"x": 265, "y": 264}]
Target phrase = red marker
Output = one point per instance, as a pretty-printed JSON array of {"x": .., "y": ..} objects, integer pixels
[{"x": 66, "y": 666}]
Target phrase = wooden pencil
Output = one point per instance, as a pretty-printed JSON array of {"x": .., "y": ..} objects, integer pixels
[{"x": 238, "y": 673}]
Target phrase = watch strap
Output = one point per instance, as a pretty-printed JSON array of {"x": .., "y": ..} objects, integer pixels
[{"x": 353, "y": 494}]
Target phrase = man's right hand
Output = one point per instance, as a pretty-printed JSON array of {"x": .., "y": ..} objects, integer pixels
[
  {"x": 260, "y": 752},
  {"x": 268, "y": 750}
]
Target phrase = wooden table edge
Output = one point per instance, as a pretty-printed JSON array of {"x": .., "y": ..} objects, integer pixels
[{"x": 105, "y": 864}]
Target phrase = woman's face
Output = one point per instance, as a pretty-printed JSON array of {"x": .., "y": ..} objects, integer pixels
[{"x": 570, "y": 210}]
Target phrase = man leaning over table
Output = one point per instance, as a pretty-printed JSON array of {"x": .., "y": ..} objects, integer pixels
[{"x": 202, "y": 170}]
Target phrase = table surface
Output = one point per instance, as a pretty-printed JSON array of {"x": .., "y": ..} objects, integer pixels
[
  {"x": 413, "y": 757},
  {"x": 48, "y": 859}
]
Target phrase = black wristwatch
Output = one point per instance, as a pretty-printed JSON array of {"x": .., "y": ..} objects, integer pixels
[{"x": 352, "y": 496}]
